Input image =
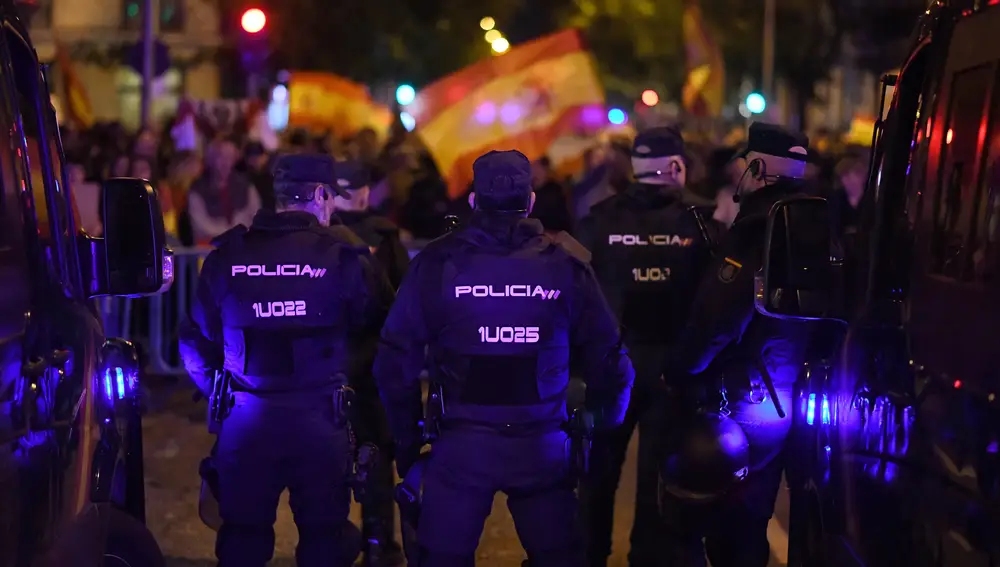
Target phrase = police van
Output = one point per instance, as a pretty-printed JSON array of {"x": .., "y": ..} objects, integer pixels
[
  {"x": 71, "y": 471},
  {"x": 896, "y": 432}
]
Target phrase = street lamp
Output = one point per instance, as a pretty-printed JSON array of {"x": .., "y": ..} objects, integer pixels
[
  {"x": 500, "y": 46},
  {"x": 487, "y": 23},
  {"x": 492, "y": 36}
]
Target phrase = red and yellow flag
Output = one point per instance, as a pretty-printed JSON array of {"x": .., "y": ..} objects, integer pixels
[
  {"x": 77, "y": 102},
  {"x": 705, "y": 84},
  {"x": 523, "y": 100},
  {"x": 324, "y": 101}
]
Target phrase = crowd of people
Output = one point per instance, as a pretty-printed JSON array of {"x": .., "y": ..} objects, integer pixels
[{"x": 204, "y": 192}]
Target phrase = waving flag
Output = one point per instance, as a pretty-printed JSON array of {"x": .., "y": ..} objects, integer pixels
[
  {"x": 324, "y": 101},
  {"x": 705, "y": 84},
  {"x": 523, "y": 99},
  {"x": 77, "y": 103}
]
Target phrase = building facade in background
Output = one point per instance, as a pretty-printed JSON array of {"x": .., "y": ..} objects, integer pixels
[{"x": 101, "y": 36}]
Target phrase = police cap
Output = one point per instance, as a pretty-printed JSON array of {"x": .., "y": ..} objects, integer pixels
[
  {"x": 350, "y": 175},
  {"x": 658, "y": 156},
  {"x": 774, "y": 140},
  {"x": 502, "y": 181},
  {"x": 297, "y": 175},
  {"x": 658, "y": 142}
]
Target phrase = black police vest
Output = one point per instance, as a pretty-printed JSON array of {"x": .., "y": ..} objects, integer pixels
[
  {"x": 648, "y": 258},
  {"x": 284, "y": 309},
  {"x": 501, "y": 338}
]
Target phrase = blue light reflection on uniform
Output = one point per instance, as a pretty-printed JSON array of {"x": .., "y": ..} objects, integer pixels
[{"x": 810, "y": 409}]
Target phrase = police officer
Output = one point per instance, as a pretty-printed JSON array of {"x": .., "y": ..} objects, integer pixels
[
  {"x": 380, "y": 233},
  {"x": 274, "y": 309},
  {"x": 500, "y": 305},
  {"x": 382, "y": 237},
  {"x": 648, "y": 253},
  {"x": 727, "y": 343}
]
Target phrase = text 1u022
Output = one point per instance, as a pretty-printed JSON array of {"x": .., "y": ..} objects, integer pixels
[{"x": 279, "y": 309}]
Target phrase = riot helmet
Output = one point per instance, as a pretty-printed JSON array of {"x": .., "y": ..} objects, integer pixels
[{"x": 706, "y": 457}]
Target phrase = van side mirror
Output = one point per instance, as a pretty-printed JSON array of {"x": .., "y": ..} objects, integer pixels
[
  {"x": 132, "y": 258},
  {"x": 801, "y": 274}
]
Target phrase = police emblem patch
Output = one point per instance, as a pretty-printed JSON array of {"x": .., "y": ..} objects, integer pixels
[{"x": 729, "y": 270}]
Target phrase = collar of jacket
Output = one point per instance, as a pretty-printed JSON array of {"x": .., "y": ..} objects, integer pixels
[
  {"x": 648, "y": 195},
  {"x": 485, "y": 228},
  {"x": 288, "y": 220}
]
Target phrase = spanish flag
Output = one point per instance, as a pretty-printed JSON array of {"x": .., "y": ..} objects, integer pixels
[
  {"x": 523, "y": 99},
  {"x": 77, "y": 102},
  {"x": 705, "y": 84},
  {"x": 324, "y": 101}
]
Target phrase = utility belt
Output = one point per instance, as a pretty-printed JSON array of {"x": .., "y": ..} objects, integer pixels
[
  {"x": 579, "y": 427},
  {"x": 224, "y": 392}
]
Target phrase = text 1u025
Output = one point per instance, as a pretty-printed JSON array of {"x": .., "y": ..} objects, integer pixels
[{"x": 508, "y": 334}]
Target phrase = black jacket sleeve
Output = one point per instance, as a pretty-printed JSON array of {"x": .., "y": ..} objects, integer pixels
[
  {"x": 722, "y": 309},
  {"x": 393, "y": 256},
  {"x": 372, "y": 295},
  {"x": 586, "y": 232},
  {"x": 596, "y": 341},
  {"x": 401, "y": 355},
  {"x": 200, "y": 335}
]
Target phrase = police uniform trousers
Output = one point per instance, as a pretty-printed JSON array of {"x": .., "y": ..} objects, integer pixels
[
  {"x": 469, "y": 465},
  {"x": 608, "y": 455},
  {"x": 732, "y": 531},
  {"x": 268, "y": 444}
]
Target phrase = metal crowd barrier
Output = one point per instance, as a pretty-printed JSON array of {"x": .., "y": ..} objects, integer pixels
[{"x": 152, "y": 322}]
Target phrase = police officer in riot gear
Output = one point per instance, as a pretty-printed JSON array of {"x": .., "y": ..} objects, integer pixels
[
  {"x": 736, "y": 362},
  {"x": 500, "y": 305},
  {"x": 275, "y": 308},
  {"x": 382, "y": 237},
  {"x": 648, "y": 253}
]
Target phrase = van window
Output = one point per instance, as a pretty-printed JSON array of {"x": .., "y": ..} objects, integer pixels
[
  {"x": 30, "y": 90},
  {"x": 985, "y": 258},
  {"x": 14, "y": 272},
  {"x": 952, "y": 211}
]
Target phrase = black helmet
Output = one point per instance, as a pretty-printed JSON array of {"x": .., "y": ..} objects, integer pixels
[{"x": 708, "y": 455}]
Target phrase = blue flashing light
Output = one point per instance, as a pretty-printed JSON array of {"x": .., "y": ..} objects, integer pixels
[
  {"x": 405, "y": 94},
  {"x": 409, "y": 122},
  {"x": 109, "y": 390},
  {"x": 617, "y": 116},
  {"x": 119, "y": 384},
  {"x": 756, "y": 103},
  {"x": 824, "y": 405}
]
